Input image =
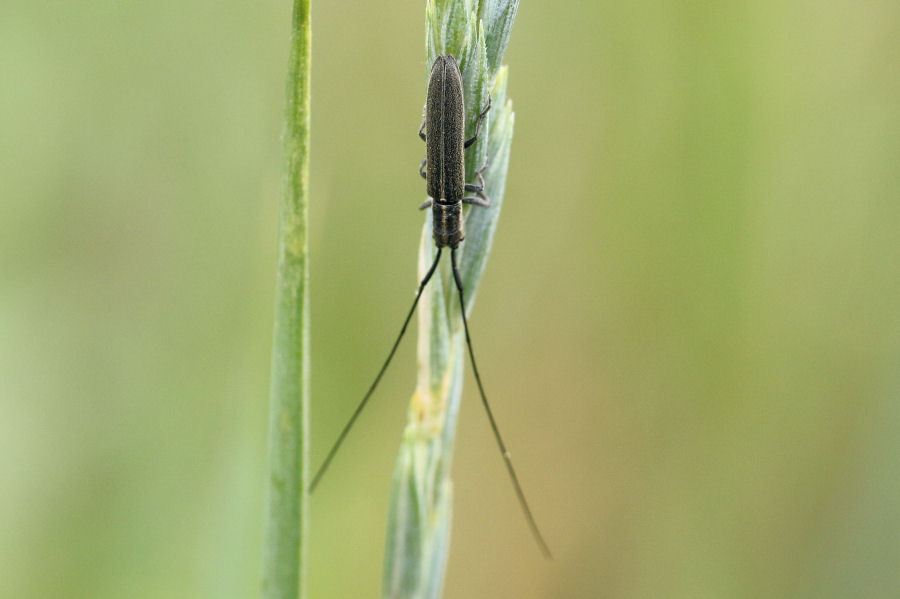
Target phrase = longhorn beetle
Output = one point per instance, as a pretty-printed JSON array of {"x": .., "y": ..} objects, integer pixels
[{"x": 444, "y": 171}]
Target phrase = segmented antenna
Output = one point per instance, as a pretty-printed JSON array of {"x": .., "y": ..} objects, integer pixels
[
  {"x": 365, "y": 400},
  {"x": 507, "y": 459}
]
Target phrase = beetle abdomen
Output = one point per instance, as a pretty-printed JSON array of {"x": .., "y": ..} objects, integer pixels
[{"x": 447, "y": 224}]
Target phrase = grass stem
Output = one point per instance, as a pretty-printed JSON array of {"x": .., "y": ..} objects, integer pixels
[
  {"x": 475, "y": 32},
  {"x": 287, "y": 522}
]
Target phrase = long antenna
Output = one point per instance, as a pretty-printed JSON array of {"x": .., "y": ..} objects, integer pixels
[
  {"x": 535, "y": 532},
  {"x": 365, "y": 400}
]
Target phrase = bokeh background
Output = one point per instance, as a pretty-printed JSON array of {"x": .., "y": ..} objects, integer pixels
[{"x": 689, "y": 326}]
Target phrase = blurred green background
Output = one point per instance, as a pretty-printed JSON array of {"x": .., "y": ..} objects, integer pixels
[{"x": 689, "y": 326}]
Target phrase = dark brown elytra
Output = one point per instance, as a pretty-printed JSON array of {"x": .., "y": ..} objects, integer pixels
[
  {"x": 443, "y": 130},
  {"x": 444, "y": 167}
]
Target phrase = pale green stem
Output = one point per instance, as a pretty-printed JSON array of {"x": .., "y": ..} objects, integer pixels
[
  {"x": 418, "y": 537},
  {"x": 287, "y": 522}
]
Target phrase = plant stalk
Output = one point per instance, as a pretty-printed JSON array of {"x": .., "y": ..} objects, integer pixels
[
  {"x": 286, "y": 521},
  {"x": 418, "y": 537}
]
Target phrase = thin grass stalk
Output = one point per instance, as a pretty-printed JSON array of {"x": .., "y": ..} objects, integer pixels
[
  {"x": 418, "y": 536},
  {"x": 287, "y": 522}
]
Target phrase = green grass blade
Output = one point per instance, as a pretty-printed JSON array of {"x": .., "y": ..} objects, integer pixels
[
  {"x": 498, "y": 17},
  {"x": 287, "y": 521}
]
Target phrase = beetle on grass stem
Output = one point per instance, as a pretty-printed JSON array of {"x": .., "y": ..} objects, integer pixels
[{"x": 443, "y": 130}]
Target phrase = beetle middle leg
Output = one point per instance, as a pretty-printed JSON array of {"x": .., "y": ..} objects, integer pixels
[
  {"x": 482, "y": 199},
  {"x": 422, "y": 169}
]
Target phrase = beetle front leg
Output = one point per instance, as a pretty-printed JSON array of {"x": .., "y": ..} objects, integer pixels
[
  {"x": 422, "y": 128},
  {"x": 481, "y": 116}
]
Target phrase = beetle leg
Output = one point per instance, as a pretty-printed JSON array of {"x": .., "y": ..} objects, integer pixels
[
  {"x": 483, "y": 166},
  {"x": 422, "y": 128},
  {"x": 481, "y": 200},
  {"x": 481, "y": 116},
  {"x": 427, "y": 203},
  {"x": 480, "y": 186},
  {"x": 422, "y": 169}
]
